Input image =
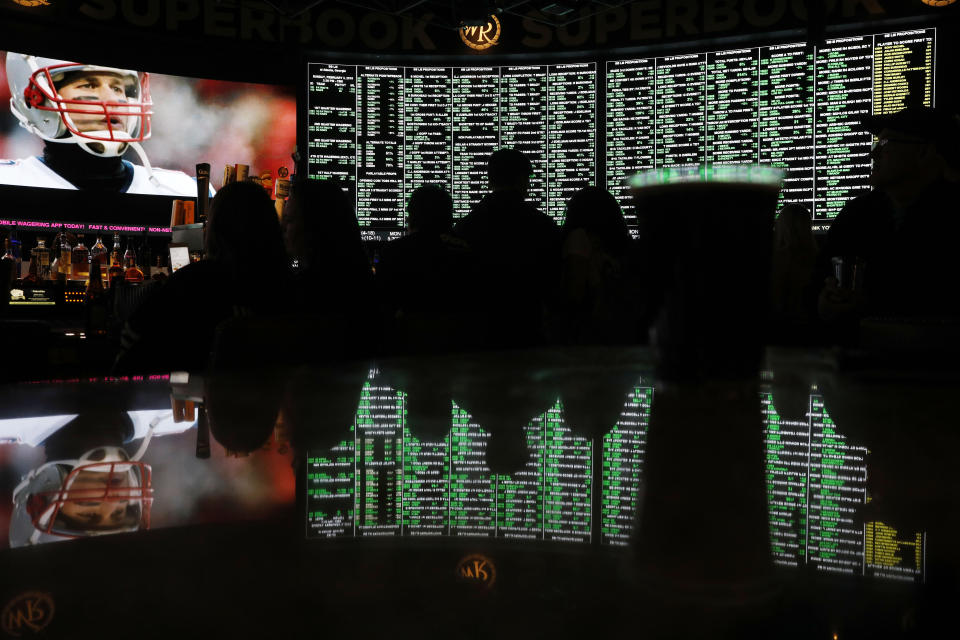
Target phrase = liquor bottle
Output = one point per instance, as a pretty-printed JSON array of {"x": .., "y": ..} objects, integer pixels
[
  {"x": 31, "y": 279},
  {"x": 282, "y": 188},
  {"x": 63, "y": 262},
  {"x": 146, "y": 256},
  {"x": 16, "y": 256},
  {"x": 80, "y": 259},
  {"x": 131, "y": 271},
  {"x": 95, "y": 310},
  {"x": 116, "y": 256},
  {"x": 41, "y": 256},
  {"x": 94, "y": 280},
  {"x": 99, "y": 251},
  {"x": 116, "y": 275},
  {"x": 8, "y": 255}
]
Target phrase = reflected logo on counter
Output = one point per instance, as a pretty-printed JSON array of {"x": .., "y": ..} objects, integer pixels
[
  {"x": 477, "y": 568},
  {"x": 27, "y": 614}
]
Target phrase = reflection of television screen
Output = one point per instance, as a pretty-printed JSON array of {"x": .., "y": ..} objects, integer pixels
[
  {"x": 57, "y": 450},
  {"x": 384, "y": 130},
  {"x": 76, "y": 128}
]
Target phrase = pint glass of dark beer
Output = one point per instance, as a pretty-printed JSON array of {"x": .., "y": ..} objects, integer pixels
[{"x": 705, "y": 241}]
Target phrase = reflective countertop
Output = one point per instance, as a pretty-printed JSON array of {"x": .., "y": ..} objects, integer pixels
[{"x": 546, "y": 492}]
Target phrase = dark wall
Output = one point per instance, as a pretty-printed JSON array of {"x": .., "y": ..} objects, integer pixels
[{"x": 250, "y": 40}]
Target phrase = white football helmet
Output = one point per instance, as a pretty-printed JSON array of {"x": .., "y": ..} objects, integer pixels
[
  {"x": 38, "y": 105},
  {"x": 102, "y": 492}
]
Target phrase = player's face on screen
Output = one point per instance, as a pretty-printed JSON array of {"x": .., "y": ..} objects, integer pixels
[
  {"x": 87, "y": 506},
  {"x": 95, "y": 87}
]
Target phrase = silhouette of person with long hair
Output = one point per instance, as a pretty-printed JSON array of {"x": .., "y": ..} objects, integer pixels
[
  {"x": 599, "y": 287},
  {"x": 174, "y": 327}
]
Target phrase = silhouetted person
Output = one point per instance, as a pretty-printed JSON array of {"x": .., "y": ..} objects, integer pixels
[
  {"x": 320, "y": 405},
  {"x": 518, "y": 249},
  {"x": 242, "y": 409},
  {"x": 422, "y": 278},
  {"x": 599, "y": 284},
  {"x": 904, "y": 231},
  {"x": 793, "y": 262},
  {"x": 430, "y": 210},
  {"x": 332, "y": 273},
  {"x": 6, "y": 280},
  {"x": 244, "y": 273}
]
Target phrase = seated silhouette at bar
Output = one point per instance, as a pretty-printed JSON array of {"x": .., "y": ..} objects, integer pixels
[
  {"x": 331, "y": 271},
  {"x": 518, "y": 249},
  {"x": 425, "y": 279},
  {"x": 792, "y": 298},
  {"x": 900, "y": 235},
  {"x": 174, "y": 327},
  {"x": 598, "y": 278}
]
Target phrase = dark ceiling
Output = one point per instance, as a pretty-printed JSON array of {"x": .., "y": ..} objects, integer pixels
[{"x": 453, "y": 13}]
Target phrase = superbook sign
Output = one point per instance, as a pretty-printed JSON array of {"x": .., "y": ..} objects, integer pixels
[{"x": 333, "y": 26}]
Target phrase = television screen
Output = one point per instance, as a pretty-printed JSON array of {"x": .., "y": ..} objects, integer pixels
[
  {"x": 385, "y": 130},
  {"x": 97, "y": 128}
]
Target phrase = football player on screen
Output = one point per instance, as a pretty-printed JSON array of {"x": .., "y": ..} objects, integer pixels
[
  {"x": 90, "y": 485},
  {"x": 88, "y": 116}
]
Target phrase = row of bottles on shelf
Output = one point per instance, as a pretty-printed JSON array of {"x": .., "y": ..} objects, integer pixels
[{"x": 74, "y": 261}]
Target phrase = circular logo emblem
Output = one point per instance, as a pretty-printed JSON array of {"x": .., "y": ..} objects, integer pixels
[
  {"x": 32, "y": 3},
  {"x": 27, "y": 614},
  {"x": 481, "y": 38},
  {"x": 283, "y": 172},
  {"x": 477, "y": 569}
]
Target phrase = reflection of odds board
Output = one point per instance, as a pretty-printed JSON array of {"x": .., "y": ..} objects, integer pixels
[
  {"x": 385, "y": 130},
  {"x": 816, "y": 485},
  {"x": 401, "y": 485},
  {"x": 398, "y": 484},
  {"x": 889, "y": 554},
  {"x": 622, "y": 460}
]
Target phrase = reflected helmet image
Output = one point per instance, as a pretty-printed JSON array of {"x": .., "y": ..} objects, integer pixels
[
  {"x": 103, "y": 492},
  {"x": 38, "y": 105}
]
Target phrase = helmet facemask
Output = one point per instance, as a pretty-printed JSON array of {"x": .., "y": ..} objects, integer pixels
[
  {"x": 104, "y": 492},
  {"x": 124, "y": 121}
]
